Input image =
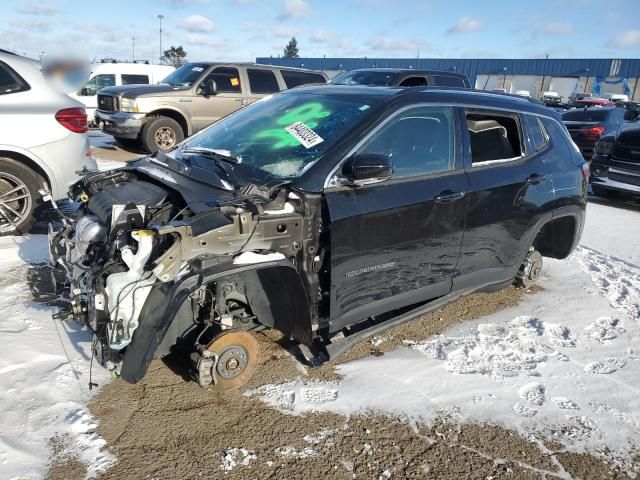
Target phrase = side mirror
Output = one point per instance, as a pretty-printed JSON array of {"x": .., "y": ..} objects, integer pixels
[
  {"x": 367, "y": 168},
  {"x": 631, "y": 114},
  {"x": 209, "y": 87},
  {"x": 85, "y": 92}
]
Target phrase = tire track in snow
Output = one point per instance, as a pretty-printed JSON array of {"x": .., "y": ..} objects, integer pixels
[{"x": 616, "y": 279}]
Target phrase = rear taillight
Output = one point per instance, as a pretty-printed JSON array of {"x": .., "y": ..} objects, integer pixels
[
  {"x": 74, "y": 119},
  {"x": 592, "y": 133}
]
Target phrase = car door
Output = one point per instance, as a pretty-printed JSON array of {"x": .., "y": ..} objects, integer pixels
[
  {"x": 231, "y": 95},
  {"x": 510, "y": 195},
  {"x": 397, "y": 242}
]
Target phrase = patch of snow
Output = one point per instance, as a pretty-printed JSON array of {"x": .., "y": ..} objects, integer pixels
[
  {"x": 322, "y": 435},
  {"x": 298, "y": 454},
  {"x": 574, "y": 343},
  {"x": 247, "y": 258},
  {"x": 233, "y": 457},
  {"x": 44, "y": 375}
]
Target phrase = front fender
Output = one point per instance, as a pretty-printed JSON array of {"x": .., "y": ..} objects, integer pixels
[{"x": 167, "y": 304}]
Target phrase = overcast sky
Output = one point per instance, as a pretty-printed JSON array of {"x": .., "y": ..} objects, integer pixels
[{"x": 246, "y": 29}]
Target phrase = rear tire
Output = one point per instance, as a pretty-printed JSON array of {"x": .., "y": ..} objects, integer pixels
[
  {"x": 530, "y": 270},
  {"x": 19, "y": 197},
  {"x": 161, "y": 133}
]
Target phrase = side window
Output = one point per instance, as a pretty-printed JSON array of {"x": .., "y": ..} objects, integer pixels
[
  {"x": 494, "y": 136},
  {"x": 10, "y": 81},
  {"x": 539, "y": 136},
  {"x": 419, "y": 141},
  {"x": 128, "y": 79},
  {"x": 262, "y": 81},
  {"x": 413, "y": 82},
  {"x": 96, "y": 83},
  {"x": 445, "y": 81},
  {"x": 295, "y": 79},
  {"x": 227, "y": 79}
]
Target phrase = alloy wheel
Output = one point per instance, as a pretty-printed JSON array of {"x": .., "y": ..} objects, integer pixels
[
  {"x": 15, "y": 202},
  {"x": 165, "y": 138}
]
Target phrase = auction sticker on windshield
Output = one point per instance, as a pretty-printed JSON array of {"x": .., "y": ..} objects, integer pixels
[{"x": 304, "y": 134}]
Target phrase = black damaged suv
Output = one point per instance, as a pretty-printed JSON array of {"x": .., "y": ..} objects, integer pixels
[{"x": 329, "y": 213}]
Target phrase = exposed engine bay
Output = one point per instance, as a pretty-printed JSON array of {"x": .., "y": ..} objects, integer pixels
[{"x": 156, "y": 262}]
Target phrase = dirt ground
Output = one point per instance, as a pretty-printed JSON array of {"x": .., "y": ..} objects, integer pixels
[{"x": 166, "y": 427}]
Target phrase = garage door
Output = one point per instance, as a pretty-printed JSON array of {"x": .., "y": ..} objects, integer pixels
[{"x": 565, "y": 86}]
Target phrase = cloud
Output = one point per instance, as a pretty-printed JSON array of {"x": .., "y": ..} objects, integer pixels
[
  {"x": 628, "y": 39},
  {"x": 204, "y": 40},
  {"x": 294, "y": 9},
  {"x": 38, "y": 8},
  {"x": 467, "y": 24},
  {"x": 196, "y": 23},
  {"x": 389, "y": 45},
  {"x": 322, "y": 36}
]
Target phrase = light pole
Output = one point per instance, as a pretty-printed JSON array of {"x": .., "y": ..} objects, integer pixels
[
  {"x": 133, "y": 49},
  {"x": 160, "y": 17}
]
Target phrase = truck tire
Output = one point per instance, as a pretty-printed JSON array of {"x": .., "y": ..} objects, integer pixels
[
  {"x": 19, "y": 197},
  {"x": 128, "y": 142},
  {"x": 161, "y": 133}
]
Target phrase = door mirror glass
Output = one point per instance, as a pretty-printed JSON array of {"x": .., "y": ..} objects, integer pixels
[
  {"x": 367, "y": 168},
  {"x": 209, "y": 87}
]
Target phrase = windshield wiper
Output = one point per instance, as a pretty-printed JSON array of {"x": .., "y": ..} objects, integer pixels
[
  {"x": 211, "y": 153},
  {"x": 218, "y": 158}
]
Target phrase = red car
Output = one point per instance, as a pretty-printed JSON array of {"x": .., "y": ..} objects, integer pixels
[{"x": 592, "y": 102}]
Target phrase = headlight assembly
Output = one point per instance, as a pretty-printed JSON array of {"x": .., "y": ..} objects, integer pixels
[{"x": 128, "y": 105}]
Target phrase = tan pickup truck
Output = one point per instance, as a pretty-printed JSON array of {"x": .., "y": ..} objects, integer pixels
[{"x": 189, "y": 99}]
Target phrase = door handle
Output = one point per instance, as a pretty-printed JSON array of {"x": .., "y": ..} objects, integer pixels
[
  {"x": 448, "y": 196},
  {"x": 536, "y": 178}
]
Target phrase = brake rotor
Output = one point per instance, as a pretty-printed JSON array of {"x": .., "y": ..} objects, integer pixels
[{"x": 238, "y": 354}]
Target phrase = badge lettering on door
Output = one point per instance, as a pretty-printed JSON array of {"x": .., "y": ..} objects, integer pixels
[
  {"x": 304, "y": 134},
  {"x": 369, "y": 269}
]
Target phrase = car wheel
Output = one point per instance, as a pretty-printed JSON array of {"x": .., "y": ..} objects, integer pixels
[
  {"x": 161, "y": 133},
  {"x": 602, "y": 192},
  {"x": 128, "y": 142},
  {"x": 530, "y": 270},
  {"x": 18, "y": 197}
]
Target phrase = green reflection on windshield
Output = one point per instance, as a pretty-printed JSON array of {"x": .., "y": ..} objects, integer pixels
[{"x": 308, "y": 113}]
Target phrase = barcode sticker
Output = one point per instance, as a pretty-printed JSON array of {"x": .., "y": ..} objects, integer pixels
[{"x": 304, "y": 134}]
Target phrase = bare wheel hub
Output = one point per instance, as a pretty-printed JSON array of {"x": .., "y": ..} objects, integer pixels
[
  {"x": 15, "y": 201},
  {"x": 165, "y": 137},
  {"x": 237, "y": 354}
]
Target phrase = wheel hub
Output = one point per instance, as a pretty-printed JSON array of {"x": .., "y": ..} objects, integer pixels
[
  {"x": 165, "y": 137},
  {"x": 232, "y": 362},
  {"x": 237, "y": 354},
  {"x": 15, "y": 201}
]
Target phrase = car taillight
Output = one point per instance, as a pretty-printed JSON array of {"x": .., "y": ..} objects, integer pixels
[
  {"x": 74, "y": 119},
  {"x": 592, "y": 132}
]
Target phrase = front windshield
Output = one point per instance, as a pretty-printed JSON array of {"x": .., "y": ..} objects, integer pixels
[
  {"x": 363, "y": 78},
  {"x": 185, "y": 75},
  {"x": 284, "y": 134}
]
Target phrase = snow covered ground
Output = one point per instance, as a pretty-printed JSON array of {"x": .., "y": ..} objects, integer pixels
[{"x": 564, "y": 363}]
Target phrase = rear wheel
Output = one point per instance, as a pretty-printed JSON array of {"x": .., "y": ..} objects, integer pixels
[
  {"x": 161, "y": 133},
  {"x": 530, "y": 270},
  {"x": 18, "y": 196}
]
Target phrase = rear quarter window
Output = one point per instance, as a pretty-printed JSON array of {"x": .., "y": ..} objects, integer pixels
[
  {"x": 295, "y": 79},
  {"x": 10, "y": 81},
  {"x": 538, "y": 134}
]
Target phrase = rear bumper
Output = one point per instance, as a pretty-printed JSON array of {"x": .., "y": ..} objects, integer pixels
[
  {"x": 626, "y": 178},
  {"x": 121, "y": 124},
  {"x": 607, "y": 183}
]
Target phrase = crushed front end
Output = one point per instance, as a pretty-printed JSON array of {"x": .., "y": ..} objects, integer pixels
[{"x": 155, "y": 262}]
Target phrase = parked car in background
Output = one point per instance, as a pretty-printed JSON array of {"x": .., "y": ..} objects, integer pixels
[
  {"x": 523, "y": 93},
  {"x": 114, "y": 74},
  {"x": 43, "y": 141},
  {"x": 317, "y": 212},
  {"x": 587, "y": 125},
  {"x": 158, "y": 117},
  {"x": 615, "y": 97},
  {"x": 402, "y": 77},
  {"x": 615, "y": 166},
  {"x": 592, "y": 102},
  {"x": 578, "y": 96}
]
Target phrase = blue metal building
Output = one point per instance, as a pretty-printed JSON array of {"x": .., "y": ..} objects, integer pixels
[{"x": 594, "y": 68}]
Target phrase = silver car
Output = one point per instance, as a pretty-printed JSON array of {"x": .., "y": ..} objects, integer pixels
[{"x": 43, "y": 141}]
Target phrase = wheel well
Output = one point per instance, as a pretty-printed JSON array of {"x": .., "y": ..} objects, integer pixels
[
  {"x": 178, "y": 117},
  {"x": 18, "y": 157},
  {"x": 556, "y": 237}
]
